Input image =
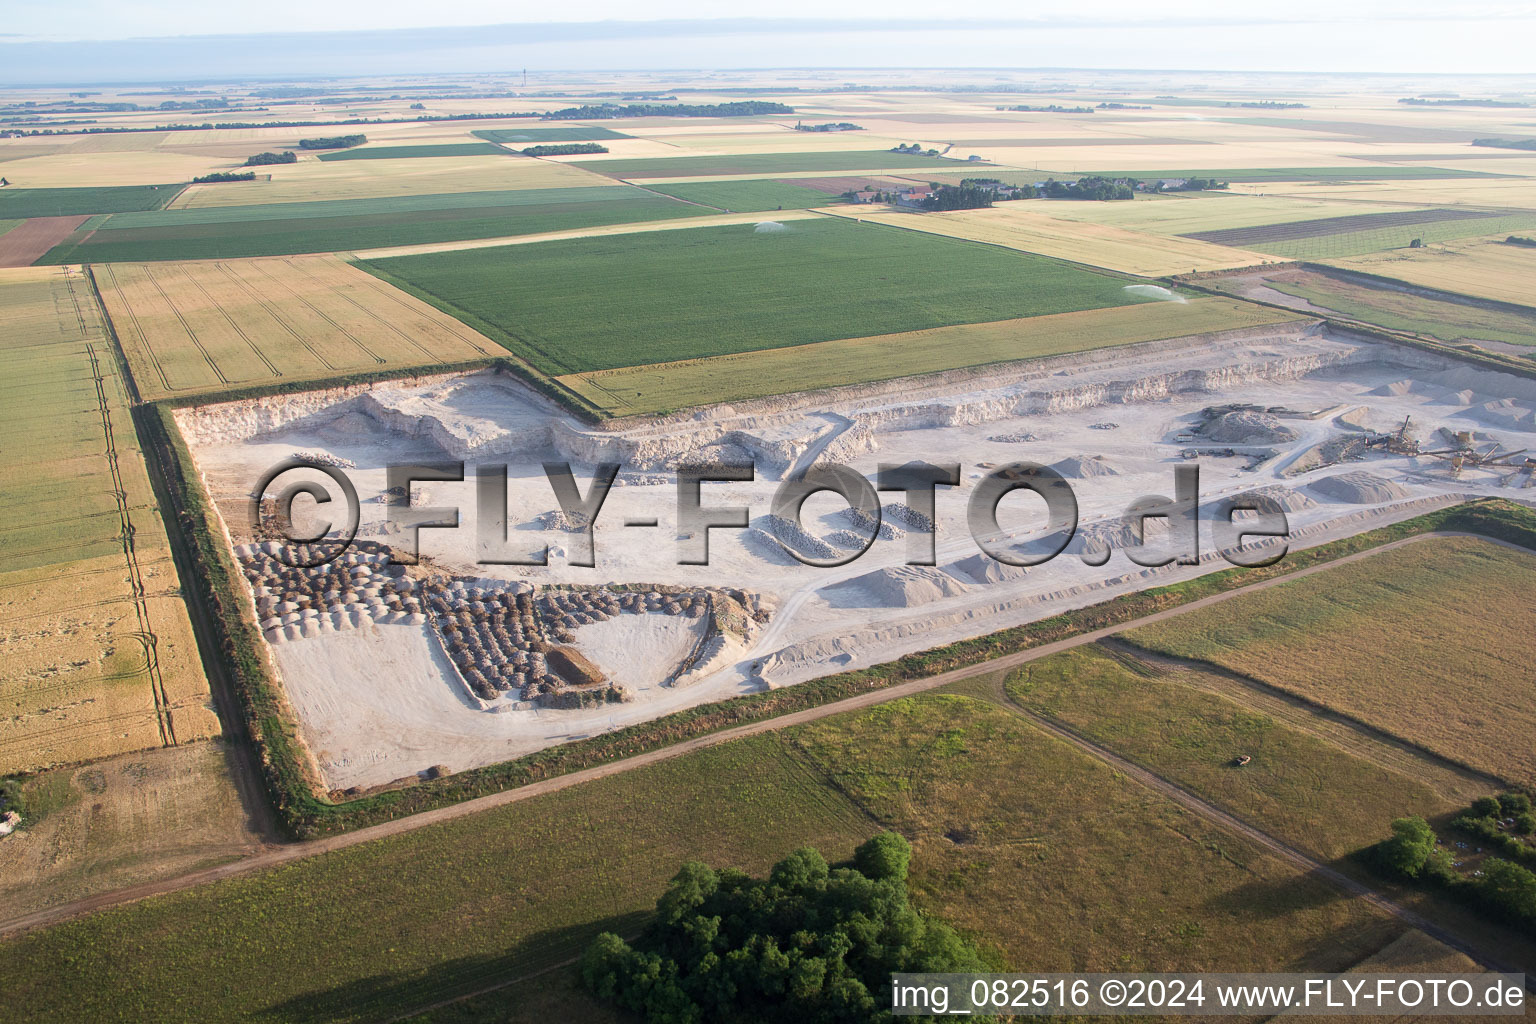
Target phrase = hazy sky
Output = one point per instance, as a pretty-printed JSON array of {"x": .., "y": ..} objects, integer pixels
[
  {"x": 133, "y": 40},
  {"x": 121, "y": 19}
]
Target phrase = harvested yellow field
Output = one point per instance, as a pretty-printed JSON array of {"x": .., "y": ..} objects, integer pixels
[
  {"x": 675, "y": 224},
  {"x": 215, "y": 325},
  {"x": 71, "y": 168},
  {"x": 100, "y": 656},
  {"x": 663, "y": 387},
  {"x": 1097, "y": 245},
  {"x": 1515, "y": 193},
  {"x": 1487, "y": 268},
  {"x": 1185, "y": 213},
  {"x": 314, "y": 180}
]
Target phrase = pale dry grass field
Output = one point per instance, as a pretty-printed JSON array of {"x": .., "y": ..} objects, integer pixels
[
  {"x": 100, "y": 656},
  {"x": 72, "y": 168},
  {"x": 1189, "y": 212},
  {"x": 1020, "y": 225},
  {"x": 1501, "y": 193},
  {"x": 1487, "y": 268},
  {"x": 121, "y": 821},
  {"x": 642, "y": 227},
  {"x": 220, "y": 324},
  {"x": 1429, "y": 642},
  {"x": 315, "y": 180}
]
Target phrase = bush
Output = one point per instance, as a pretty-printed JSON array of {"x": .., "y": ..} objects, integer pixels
[
  {"x": 887, "y": 855},
  {"x": 1511, "y": 804},
  {"x": 1485, "y": 807},
  {"x": 809, "y": 943},
  {"x": 1410, "y": 847},
  {"x": 1525, "y": 823}
]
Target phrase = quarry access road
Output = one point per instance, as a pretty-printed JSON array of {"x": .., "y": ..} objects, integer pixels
[{"x": 278, "y": 855}]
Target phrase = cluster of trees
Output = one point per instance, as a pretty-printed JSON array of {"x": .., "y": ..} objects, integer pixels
[
  {"x": 959, "y": 197},
  {"x": 808, "y": 943},
  {"x": 1500, "y": 886},
  {"x": 224, "y": 176},
  {"x": 1121, "y": 106},
  {"x": 564, "y": 149},
  {"x": 740, "y": 108},
  {"x": 333, "y": 142},
  {"x": 913, "y": 149},
  {"x": 1268, "y": 105},
  {"x": 839, "y": 126},
  {"x": 1091, "y": 187},
  {"x": 262, "y": 159},
  {"x": 1506, "y": 143},
  {"x": 1518, "y": 240}
]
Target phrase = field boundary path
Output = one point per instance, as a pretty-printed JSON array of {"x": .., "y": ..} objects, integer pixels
[
  {"x": 1198, "y": 805},
  {"x": 299, "y": 851}
]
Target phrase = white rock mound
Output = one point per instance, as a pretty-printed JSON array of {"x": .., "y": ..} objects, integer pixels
[
  {"x": 1358, "y": 488},
  {"x": 1248, "y": 428},
  {"x": 981, "y": 568},
  {"x": 901, "y": 586}
]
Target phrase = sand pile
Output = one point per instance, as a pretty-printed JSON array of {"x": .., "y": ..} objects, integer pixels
[
  {"x": 1288, "y": 498},
  {"x": 981, "y": 568},
  {"x": 900, "y": 586},
  {"x": 1358, "y": 488},
  {"x": 1082, "y": 469},
  {"x": 1248, "y": 428}
]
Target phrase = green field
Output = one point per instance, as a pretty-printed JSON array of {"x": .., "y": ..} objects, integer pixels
[
  {"x": 1402, "y": 310},
  {"x": 6, "y": 225},
  {"x": 627, "y": 300},
  {"x": 566, "y": 133},
  {"x": 994, "y": 808},
  {"x": 404, "y": 152},
  {"x": 1400, "y": 641},
  {"x": 345, "y": 224},
  {"x": 665, "y": 387},
  {"x": 749, "y": 196},
  {"x": 769, "y": 163},
  {"x": 72, "y": 202}
]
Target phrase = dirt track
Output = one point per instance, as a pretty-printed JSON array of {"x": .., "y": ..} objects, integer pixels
[{"x": 298, "y": 851}]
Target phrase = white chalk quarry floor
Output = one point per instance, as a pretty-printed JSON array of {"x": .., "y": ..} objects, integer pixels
[{"x": 377, "y": 703}]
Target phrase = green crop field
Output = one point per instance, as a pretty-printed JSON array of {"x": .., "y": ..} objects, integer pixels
[
  {"x": 72, "y": 202},
  {"x": 344, "y": 224},
  {"x": 995, "y": 808},
  {"x": 664, "y": 387},
  {"x": 749, "y": 196},
  {"x": 411, "y": 152},
  {"x": 626, "y": 300},
  {"x": 1302, "y": 786},
  {"x": 565, "y": 133},
  {"x": 1400, "y": 641},
  {"x": 769, "y": 163}
]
